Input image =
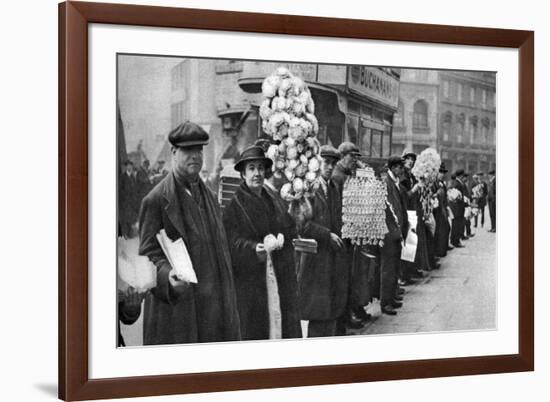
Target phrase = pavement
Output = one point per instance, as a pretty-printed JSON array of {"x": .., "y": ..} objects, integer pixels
[{"x": 461, "y": 295}]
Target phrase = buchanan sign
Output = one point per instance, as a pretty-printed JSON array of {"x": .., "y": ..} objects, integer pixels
[{"x": 374, "y": 83}]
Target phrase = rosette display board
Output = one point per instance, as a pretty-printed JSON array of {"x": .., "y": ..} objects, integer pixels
[
  {"x": 364, "y": 209},
  {"x": 288, "y": 117},
  {"x": 425, "y": 170}
]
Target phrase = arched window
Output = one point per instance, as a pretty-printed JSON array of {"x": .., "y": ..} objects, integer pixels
[{"x": 420, "y": 114}]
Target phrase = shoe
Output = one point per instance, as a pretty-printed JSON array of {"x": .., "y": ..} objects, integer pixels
[
  {"x": 402, "y": 282},
  {"x": 354, "y": 322},
  {"x": 418, "y": 274},
  {"x": 388, "y": 310},
  {"x": 437, "y": 265},
  {"x": 472, "y": 235},
  {"x": 398, "y": 298},
  {"x": 397, "y": 304},
  {"x": 400, "y": 291},
  {"x": 492, "y": 230},
  {"x": 449, "y": 248},
  {"x": 410, "y": 281},
  {"x": 361, "y": 314}
]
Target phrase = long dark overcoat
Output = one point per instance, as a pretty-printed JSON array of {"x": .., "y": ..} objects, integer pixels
[
  {"x": 248, "y": 219},
  {"x": 442, "y": 228},
  {"x": 323, "y": 280},
  {"x": 204, "y": 312},
  {"x": 413, "y": 203}
]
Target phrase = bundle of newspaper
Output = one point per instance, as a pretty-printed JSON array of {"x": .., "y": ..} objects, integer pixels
[
  {"x": 134, "y": 270},
  {"x": 364, "y": 209},
  {"x": 178, "y": 257}
]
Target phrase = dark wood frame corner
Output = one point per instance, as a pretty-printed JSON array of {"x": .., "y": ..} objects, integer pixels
[{"x": 74, "y": 17}]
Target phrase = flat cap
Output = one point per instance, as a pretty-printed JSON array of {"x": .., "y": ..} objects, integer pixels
[
  {"x": 188, "y": 134},
  {"x": 407, "y": 153},
  {"x": 395, "y": 160},
  {"x": 328, "y": 151},
  {"x": 346, "y": 148}
]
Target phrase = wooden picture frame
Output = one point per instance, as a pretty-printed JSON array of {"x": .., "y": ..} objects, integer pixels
[{"x": 74, "y": 382}]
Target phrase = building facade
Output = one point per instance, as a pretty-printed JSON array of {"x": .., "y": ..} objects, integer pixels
[
  {"x": 452, "y": 111},
  {"x": 353, "y": 103}
]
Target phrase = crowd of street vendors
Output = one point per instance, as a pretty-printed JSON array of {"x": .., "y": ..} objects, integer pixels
[{"x": 251, "y": 282}]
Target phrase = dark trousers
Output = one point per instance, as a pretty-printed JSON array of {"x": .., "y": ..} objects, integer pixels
[
  {"x": 493, "y": 214},
  {"x": 318, "y": 328},
  {"x": 468, "y": 226},
  {"x": 389, "y": 267},
  {"x": 480, "y": 214},
  {"x": 457, "y": 230}
]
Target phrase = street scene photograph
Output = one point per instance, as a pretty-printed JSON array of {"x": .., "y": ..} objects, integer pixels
[{"x": 264, "y": 200}]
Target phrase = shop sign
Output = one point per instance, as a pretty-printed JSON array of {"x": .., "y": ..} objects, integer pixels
[{"x": 375, "y": 84}]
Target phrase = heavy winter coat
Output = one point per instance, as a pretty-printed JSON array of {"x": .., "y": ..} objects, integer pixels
[
  {"x": 247, "y": 220},
  {"x": 203, "y": 312},
  {"x": 323, "y": 280}
]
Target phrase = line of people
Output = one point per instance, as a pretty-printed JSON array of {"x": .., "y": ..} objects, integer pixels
[{"x": 250, "y": 285}]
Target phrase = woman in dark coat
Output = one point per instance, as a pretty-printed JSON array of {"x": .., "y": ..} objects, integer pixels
[{"x": 252, "y": 214}]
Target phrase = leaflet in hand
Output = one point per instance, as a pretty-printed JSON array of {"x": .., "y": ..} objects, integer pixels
[
  {"x": 134, "y": 270},
  {"x": 178, "y": 257}
]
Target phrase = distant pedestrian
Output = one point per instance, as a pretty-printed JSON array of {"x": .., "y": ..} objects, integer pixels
[
  {"x": 128, "y": 206},
  {"x": 492, "y": 200}
]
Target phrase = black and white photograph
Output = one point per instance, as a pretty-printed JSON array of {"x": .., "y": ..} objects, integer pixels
[{"x": 264, "y": 200}]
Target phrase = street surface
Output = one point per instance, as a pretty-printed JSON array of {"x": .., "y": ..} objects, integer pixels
[{"x": 461, "y": 295}]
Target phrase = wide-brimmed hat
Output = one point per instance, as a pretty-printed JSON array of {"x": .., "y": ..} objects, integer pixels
[
  {"x": 347, "y": 147},
  {"x": 253, "y": 153},
  {"x": 188, "y": 134}
]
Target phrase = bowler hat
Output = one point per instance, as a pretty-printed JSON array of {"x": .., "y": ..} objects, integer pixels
[
  {"x": 328, "y": 151},
  {"x": 188, "y": 134},
  {"x": 395, "y": 160},
  {"x": 459, "y": 172},
  {"x": 346, "y": 148},
  {"x": 253, "y": 153}
]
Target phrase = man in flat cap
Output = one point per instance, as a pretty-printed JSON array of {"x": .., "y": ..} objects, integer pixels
[
  {"x": 177, "y": 311},
  {"x": 398, "y": 226},
  {"x": 324, "y": 281},
  {"x": 348, "y": 163},
  {"x": 359, "y": 290}
]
